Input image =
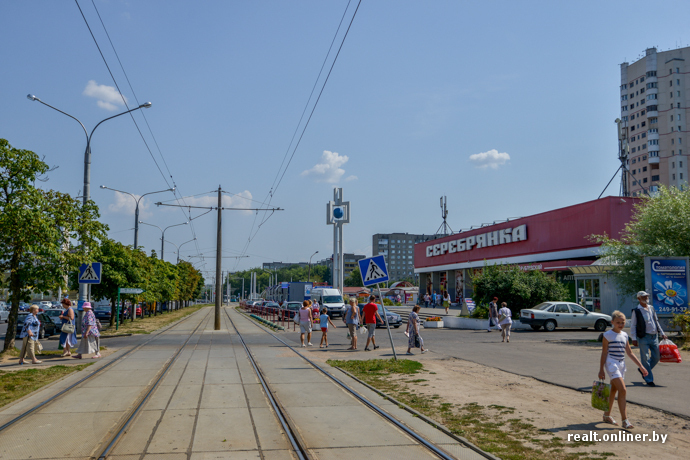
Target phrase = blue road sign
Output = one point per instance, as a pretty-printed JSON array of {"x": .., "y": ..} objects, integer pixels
[
  {"x": 373, "y": 270},
  {"x": 90, "y": 273}
]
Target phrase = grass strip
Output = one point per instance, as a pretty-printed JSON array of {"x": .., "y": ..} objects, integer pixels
[
  {"x": 149, "y": 324},
  {"x": 487, "y": 427},
  {"x": 17, "y": 384}
]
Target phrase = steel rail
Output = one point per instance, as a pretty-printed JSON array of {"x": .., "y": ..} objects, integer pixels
[
  {"x": 433, "y": 448},
  {"x": 300, "y": 450},
  {"x": 104, "y": 453},
  {"x": 79, "y": 382}
]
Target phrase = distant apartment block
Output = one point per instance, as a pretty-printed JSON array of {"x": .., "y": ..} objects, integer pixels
[
  {"x": 398, "y": 250},
  {"x": 654, "y": 105},
  {"x": 349, "y": 263}
]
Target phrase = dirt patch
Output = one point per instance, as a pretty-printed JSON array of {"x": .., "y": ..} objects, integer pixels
[{"x": 519, "y": 417}]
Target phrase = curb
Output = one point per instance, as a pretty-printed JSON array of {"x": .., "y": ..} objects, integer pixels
[{"x": 423, "y": 417}]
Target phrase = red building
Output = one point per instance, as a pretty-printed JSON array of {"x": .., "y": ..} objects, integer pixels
[{"x": 552, "y": 241}]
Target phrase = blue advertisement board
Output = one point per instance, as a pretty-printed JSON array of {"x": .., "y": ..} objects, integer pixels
[{"x": 668, "y": 279}]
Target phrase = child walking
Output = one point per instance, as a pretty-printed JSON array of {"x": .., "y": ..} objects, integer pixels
[
  {"x": 324, "y": 319},
  {"x": 615, "y": 347}
]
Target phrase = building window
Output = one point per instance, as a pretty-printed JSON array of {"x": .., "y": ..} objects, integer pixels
[
  {"x": 670, "y": 94},
  {"x": 681, "y": 176},
  {"x": 644, "y": 157},
  {"x": 680, "y": 164},
  {"x": 671, "y": 117},
  {"x": 673, "y": 176},
  {"x": 655, "y": 178},
  {"x": 677, "y": 69},
  {"x": 644, "y": 181},
  {"x": 644, "y": 169},
  {"x": 672, "y": 140},
  {"x": 634, "y": 182},
  {"x": 670, "y": 83},
  {"x": 678, "y": 81},
  {"x": 641, "y": 79},
  {"x": 673, "y": 165},
  {"x": 642, "y": 113},
  {"x": 677, "y": 105}
]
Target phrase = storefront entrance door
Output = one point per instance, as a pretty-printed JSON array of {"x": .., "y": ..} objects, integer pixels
[{"x": 589, "y": 293}]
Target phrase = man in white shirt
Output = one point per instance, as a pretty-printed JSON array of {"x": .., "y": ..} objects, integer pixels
[{"x": 644, "y": 331}]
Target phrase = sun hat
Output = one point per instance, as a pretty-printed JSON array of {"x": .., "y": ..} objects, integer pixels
[
  {"x": 642, "y": 294},
  {"x": 86, "y": 305}
]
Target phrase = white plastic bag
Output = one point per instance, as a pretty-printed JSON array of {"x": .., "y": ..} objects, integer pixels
[
  {"x": 363, "y": 330},
  {"x": 295, "y": 318}
]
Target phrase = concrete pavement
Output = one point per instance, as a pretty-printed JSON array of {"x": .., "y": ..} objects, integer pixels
[{"x": 210, "y": 405}]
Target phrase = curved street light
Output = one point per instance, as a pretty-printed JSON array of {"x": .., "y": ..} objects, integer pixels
[
  {"x": 136, "y": 210},
  {"x": 309, "y": 275},
  {"x": 83, "y": 288},
  {"x": 163, "y": 234}
]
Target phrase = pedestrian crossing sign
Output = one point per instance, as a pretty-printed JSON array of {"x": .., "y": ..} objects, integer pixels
[
  {"x": 90, "y": 273},
  {"x": 373, "y": 270}
]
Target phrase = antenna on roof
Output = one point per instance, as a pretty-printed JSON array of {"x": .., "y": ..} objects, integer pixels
[{"x": 444, "y": 214}]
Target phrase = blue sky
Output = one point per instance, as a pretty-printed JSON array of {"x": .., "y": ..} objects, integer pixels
[{"x": 423, "y": 97}]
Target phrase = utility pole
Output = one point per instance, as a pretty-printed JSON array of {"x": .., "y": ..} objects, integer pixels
[{"x": 219, "y": 246}]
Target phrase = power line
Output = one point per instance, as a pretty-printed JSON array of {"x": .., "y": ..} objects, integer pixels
[{"x": 272, "y": 191}]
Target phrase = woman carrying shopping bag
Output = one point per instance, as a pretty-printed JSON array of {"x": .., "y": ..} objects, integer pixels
[
  {"x": 414, "y": 340},
  {"x": 90, "y": 335}
]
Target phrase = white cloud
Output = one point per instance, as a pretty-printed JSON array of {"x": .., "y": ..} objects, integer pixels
[
  {"x": 491, "y": 159},
  {"x": 108, "y": 96},
  {"x": 125, "y": 204},
  {"x": 329, "y": 169},
  {"x": 349, "y": 178}
]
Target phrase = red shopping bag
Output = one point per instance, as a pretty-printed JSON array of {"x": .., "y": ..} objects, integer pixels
[{"x": 669, "y": 352}]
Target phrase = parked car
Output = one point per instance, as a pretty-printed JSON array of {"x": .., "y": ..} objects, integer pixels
[
  {"x": 394, "y": 319},
  {"x": 54, "y": 314},
  {"x": 102, "y": 313},
  {"x": 288, "y": 309},
  {"x": 47, "y": 327},
  {"x": 56, "y": 304},
  {"x": 553, "y": 314},
  {"x": 45, "y": 304},
  {"x": 4, "y": 313},
  {"x": 23, "y": 306}
]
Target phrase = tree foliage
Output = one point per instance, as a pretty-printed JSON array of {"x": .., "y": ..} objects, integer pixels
[
  {"x": 659, "y": 227},
  {"x": 354, "y": 279},
  {"x": 319, "y": 274},
  {"x": 38, "y": 230},
  {"x": 519, "y": 289}
]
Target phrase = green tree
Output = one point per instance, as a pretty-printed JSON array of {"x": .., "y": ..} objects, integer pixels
[
  {"x": 354, "y": 279},
  {"x": 37, "y": 230},
  {"x": 518, "y": 288},
  {"x": 659, "y": 227},
  {"x": 119, "y": 269}
]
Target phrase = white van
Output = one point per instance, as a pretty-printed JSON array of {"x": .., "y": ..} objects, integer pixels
[{"x": 329, "y": 298}]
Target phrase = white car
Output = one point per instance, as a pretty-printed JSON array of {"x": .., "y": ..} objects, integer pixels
[
  {"x": 4, "y": 312},
  {"x": 555, "y": 314}
]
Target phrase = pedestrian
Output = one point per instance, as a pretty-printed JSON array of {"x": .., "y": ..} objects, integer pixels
[
  {"x": 493, "y": 314},
  {"x": 314, "y": 310},
  {"x": 446, "y": 301},
  {"x": 90, "y": 336},
  {"x": 67, "y": 339},
  {"x": 613, "y": 350},
  {"x": 371, "y": 315},
  {"x": 324, "y": 320},
  {"x": 29, "y": 336},
  {"x": 414, "y": 339},
  {"x": 352, "y": 320},
  {"x": 427, "y": 299},
  {"x": 433, "y": 299},
  {"x": 305, "y": 319},
  {"x": 505, "y": 321},
  {"x": 645, "y": 330}
]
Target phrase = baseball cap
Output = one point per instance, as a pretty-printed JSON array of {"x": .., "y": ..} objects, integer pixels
[{"x": 642, "y": 294}]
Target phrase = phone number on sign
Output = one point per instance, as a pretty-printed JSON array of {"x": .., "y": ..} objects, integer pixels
[{"x": 667, "y": 309}]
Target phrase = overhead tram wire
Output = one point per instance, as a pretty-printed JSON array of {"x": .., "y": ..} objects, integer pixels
[
  {"x": 126, "y": 105},
  {"x": 273, "y": 190},
  {"x": 160, "y": 152}
]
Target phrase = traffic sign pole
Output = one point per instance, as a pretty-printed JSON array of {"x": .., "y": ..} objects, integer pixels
[
  {"x": 388, "y": 327},
  {"x": 117, "y": 318}
]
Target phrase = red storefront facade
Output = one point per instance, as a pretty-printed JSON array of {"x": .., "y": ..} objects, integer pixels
[{"x": 550, "y": 241}]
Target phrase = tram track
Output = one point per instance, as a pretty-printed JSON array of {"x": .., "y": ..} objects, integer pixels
[
  {"x": 299, "y": 446},
  {"x": 85, "y": 379}
]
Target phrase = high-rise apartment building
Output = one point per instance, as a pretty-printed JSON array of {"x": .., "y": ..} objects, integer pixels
[
  {"x": 398, "y": 250},
  {"x": 654, "y": 106}
]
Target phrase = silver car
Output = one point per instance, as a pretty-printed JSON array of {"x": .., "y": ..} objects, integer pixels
[{"x": 553, "y": 314}]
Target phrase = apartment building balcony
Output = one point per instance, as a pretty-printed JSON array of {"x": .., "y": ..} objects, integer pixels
[
  {"x": 652, "y": 111},
  {"x": 653, "y": 160}
]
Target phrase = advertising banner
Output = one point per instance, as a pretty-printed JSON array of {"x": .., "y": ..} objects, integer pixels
[{"x": 666, "y": 280}]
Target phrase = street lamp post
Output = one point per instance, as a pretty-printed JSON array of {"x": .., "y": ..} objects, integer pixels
[
  {"x": 163, "y": 234},
  {"x": 136, "y": 210},
  {"x": 178, "y": 249},
  {"x": 83, "y": 288},
  {"x": 309, "y": 275}
]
